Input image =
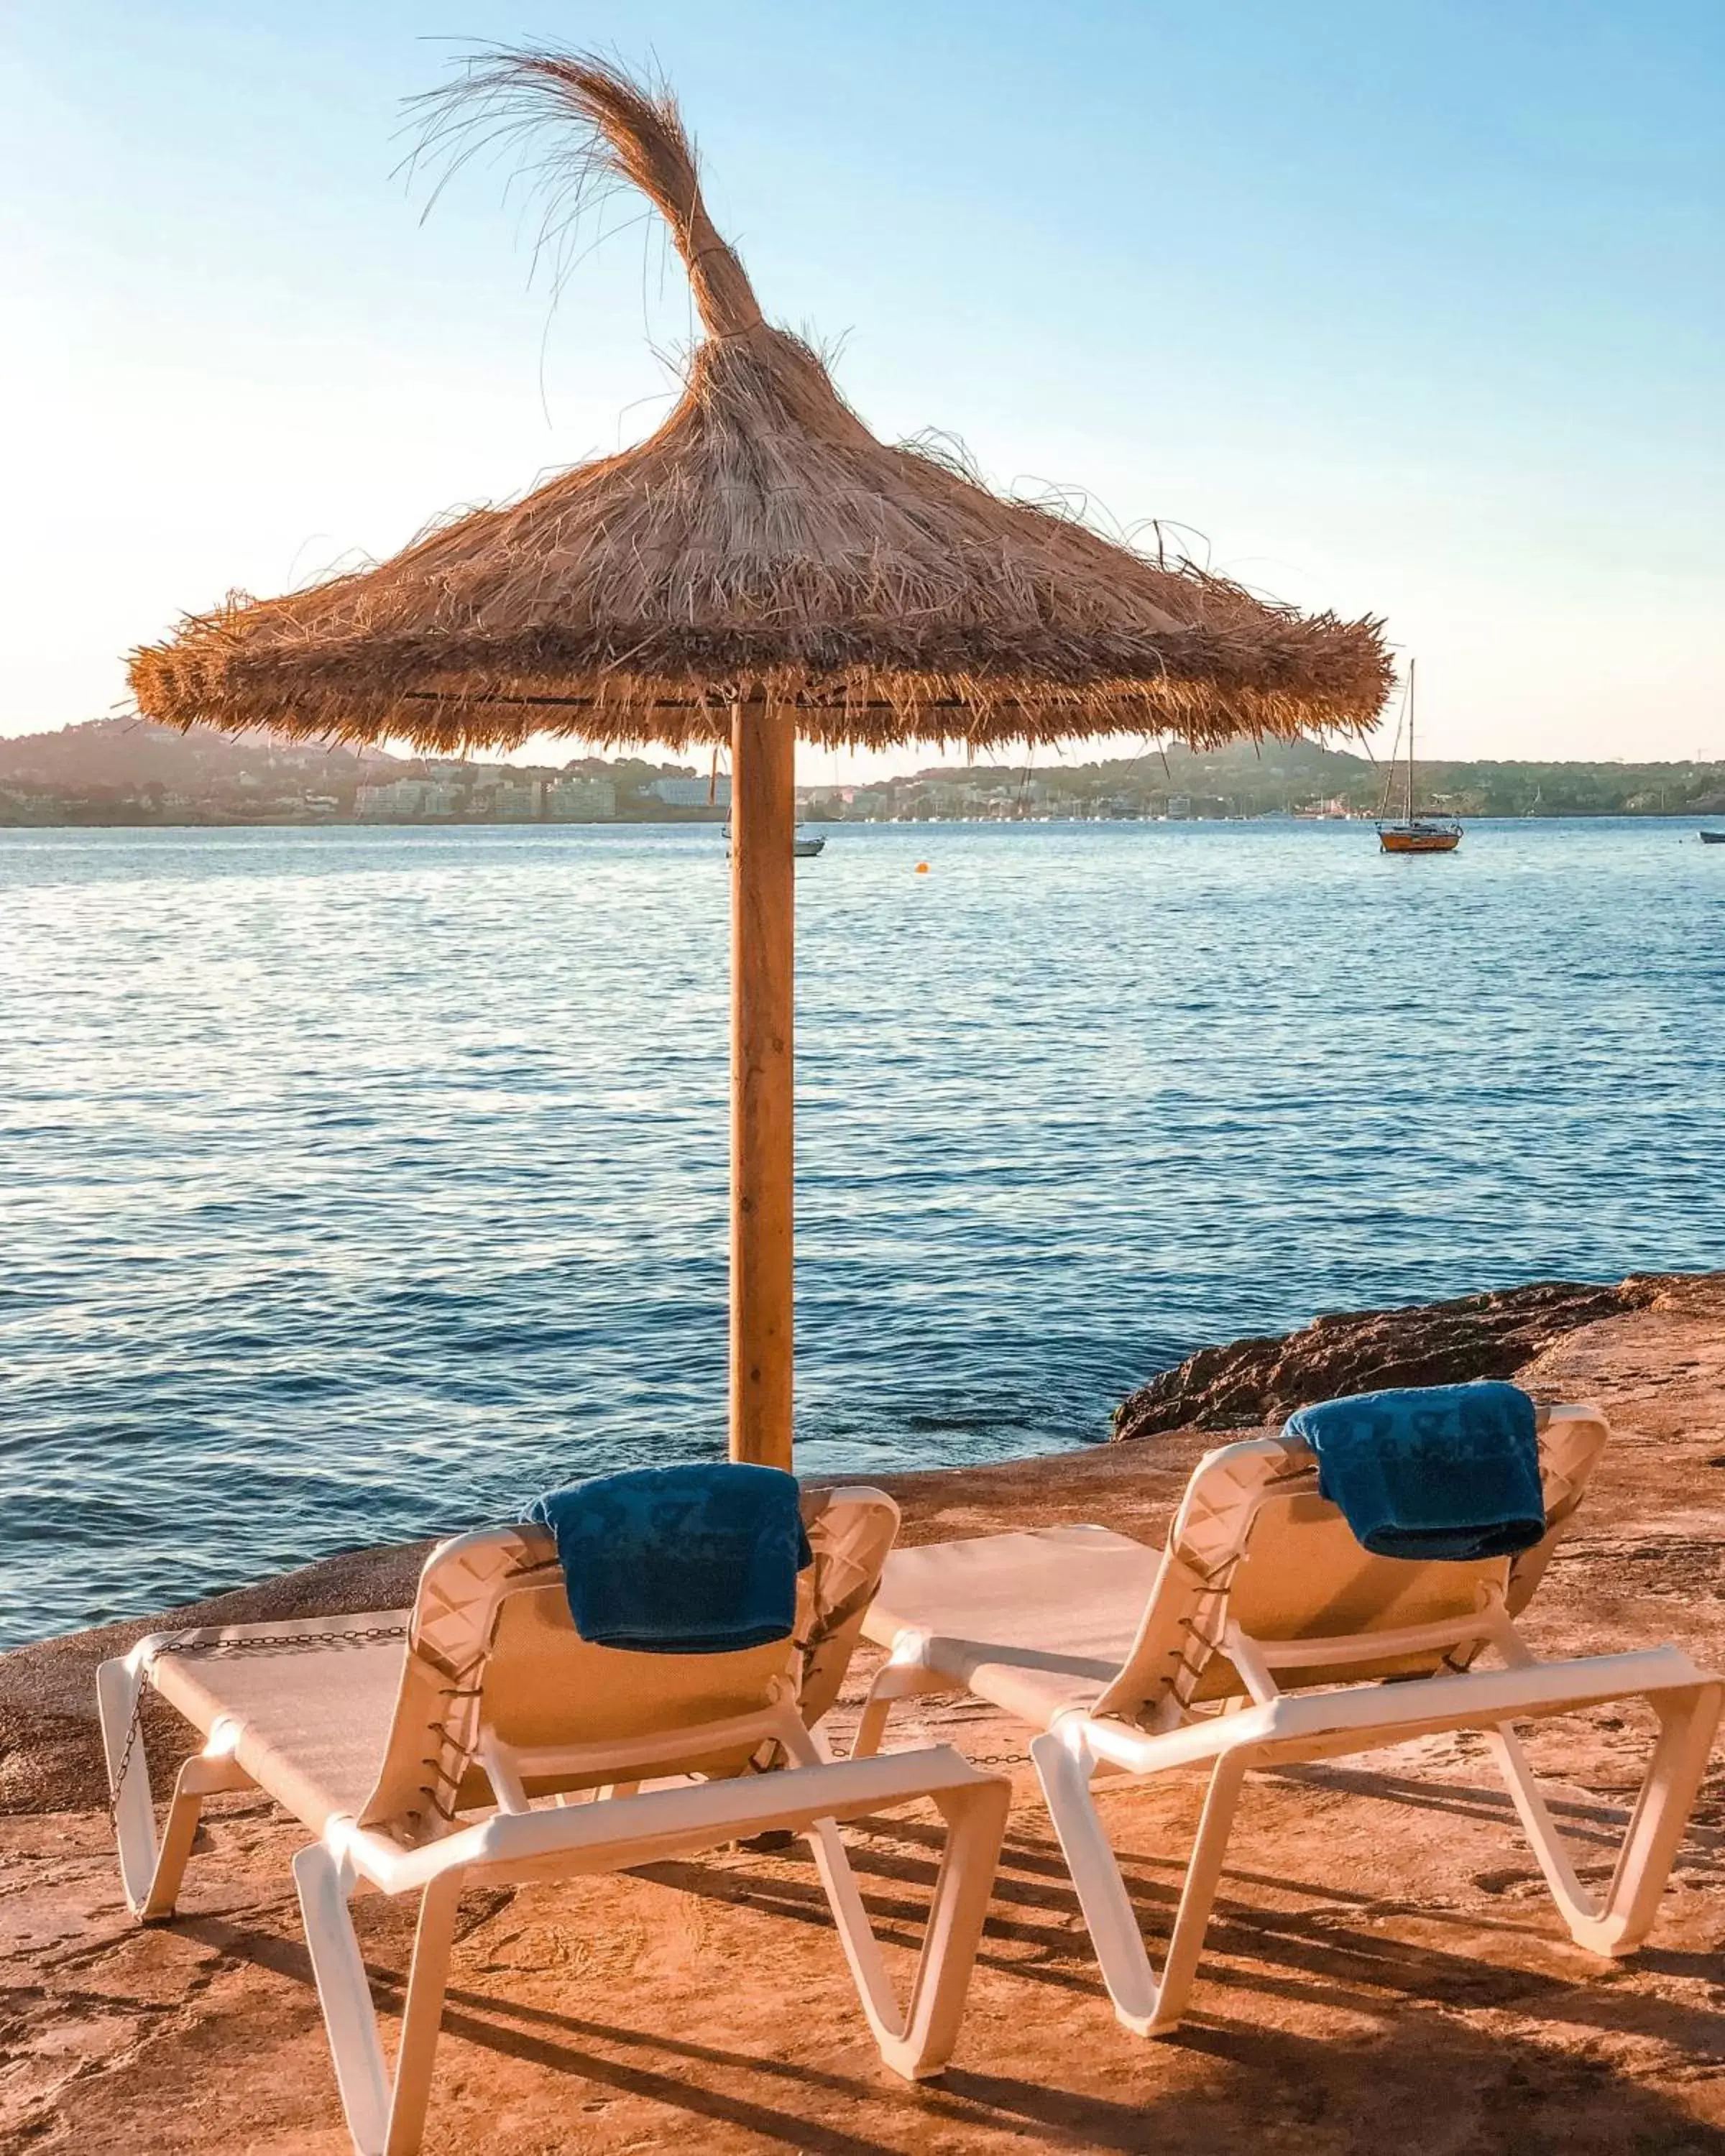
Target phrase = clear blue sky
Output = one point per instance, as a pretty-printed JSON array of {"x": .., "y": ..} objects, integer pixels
[{"x": 1410, "y": 307}]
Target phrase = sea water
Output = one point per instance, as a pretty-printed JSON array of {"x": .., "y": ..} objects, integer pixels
[{"x": 361, "y": 1184}]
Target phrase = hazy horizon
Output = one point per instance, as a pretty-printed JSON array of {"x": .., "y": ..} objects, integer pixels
[{"x": 1415, "y": 315}]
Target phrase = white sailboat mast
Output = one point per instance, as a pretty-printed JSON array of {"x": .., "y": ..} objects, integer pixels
[{"x": 1411, "y": 664}]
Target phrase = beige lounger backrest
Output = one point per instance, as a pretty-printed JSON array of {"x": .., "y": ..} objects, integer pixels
[
  {"x": 492, "y": 1647},
  {"x": 1255, "y": 1544}
]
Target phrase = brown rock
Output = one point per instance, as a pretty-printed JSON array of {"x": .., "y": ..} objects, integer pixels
[{"x": 1250, "y": 1383}]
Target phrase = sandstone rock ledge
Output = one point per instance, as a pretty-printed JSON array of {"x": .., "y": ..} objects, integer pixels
[
  {"x": 1383, "y": 1971},
  {"x": 1249, "y": 1382}
]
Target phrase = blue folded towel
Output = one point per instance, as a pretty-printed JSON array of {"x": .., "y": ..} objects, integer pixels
[
  {"x": 1432, "y": 1470},
  {"x": 696, "y": 1560}
]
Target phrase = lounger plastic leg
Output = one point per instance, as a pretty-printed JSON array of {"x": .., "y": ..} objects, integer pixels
[
  {"x": 918, "y": 2041},
  {"x": 894, "y": 1680},
  {"x": 384, "y": 2118},
  {"x": 151, "y": 1875},
  {"x": 1620, "y": 1921},
  {"x": 118, "y": 1689},
  {"x": 179, "y": 1829},
  {"x": 1147, "y": 2005},
  {"x": 427, "y": 1982}
]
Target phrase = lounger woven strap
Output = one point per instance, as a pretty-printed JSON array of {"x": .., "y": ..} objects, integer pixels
[
  {"x": 454, "y": 1622},
  {"x": 1210, "y": 1533},
  {"x": 851, "y": 1534}
]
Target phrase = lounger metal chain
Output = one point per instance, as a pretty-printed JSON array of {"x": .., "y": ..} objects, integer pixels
[{"x": 187, "y": 1643}]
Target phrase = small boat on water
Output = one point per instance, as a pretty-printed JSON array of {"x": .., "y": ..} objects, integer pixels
[
  {"x": 1413, "y": 835},
  {"x": 804, "y": 850},
  {"x": 1712, "y": 838}
]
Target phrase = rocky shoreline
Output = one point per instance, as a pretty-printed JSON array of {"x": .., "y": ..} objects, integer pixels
[
  {"x": 1249, "y": 1382},
  {"x": 1384, "y": 1968}
]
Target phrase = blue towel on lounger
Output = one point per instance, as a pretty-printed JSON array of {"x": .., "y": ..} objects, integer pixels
[
  {"x": 1431, "y": 1471},
  {"x": 696, "y": 1560}
]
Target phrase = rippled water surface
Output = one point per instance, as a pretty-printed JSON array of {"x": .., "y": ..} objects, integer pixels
[{"x": 362, "y": 1183}]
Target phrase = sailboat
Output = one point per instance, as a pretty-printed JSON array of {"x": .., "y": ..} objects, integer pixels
[{"x": 1413, "y": 835}]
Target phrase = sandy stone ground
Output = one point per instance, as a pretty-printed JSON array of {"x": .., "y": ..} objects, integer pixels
[{"x": 1384, "y": 1973}]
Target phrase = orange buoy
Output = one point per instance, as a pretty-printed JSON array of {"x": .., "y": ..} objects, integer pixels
[{"x": 922, "y": 868}]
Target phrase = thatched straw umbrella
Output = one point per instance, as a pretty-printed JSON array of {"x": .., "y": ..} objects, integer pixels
[{"x": 759, "y": 568}]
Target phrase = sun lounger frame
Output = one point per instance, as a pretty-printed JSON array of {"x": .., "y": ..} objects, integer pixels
[
  {"x": 1267, "y": 1728},
  {"x": 611, "y": 1828}
]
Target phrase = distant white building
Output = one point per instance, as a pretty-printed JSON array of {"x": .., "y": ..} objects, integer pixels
[
  {"x": 518, "y": 799},
  {"x": 693, "y": 792},
  {"x": 400, "y": 797},
  {"x": 581, "y": 800}
]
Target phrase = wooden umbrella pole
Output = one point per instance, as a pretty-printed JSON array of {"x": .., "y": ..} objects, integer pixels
[{"x": 763, "y": 821}]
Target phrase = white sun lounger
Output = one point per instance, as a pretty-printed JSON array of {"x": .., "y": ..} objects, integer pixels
[
  {"x": 1262, "y": 1637},
  {"x": 414, "y": 1744}
]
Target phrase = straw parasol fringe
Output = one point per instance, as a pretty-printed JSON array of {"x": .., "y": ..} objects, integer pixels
[{"x": 761, "y": 544}]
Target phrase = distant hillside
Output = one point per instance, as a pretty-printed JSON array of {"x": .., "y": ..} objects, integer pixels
[
  {"x": 121, "y": 763},
  {"x": 1283, "y": 778},
  {"x": 1284, "y": 775},
  {"x": 128, "y": 770},
  {"x": 132, "y": 772}
]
